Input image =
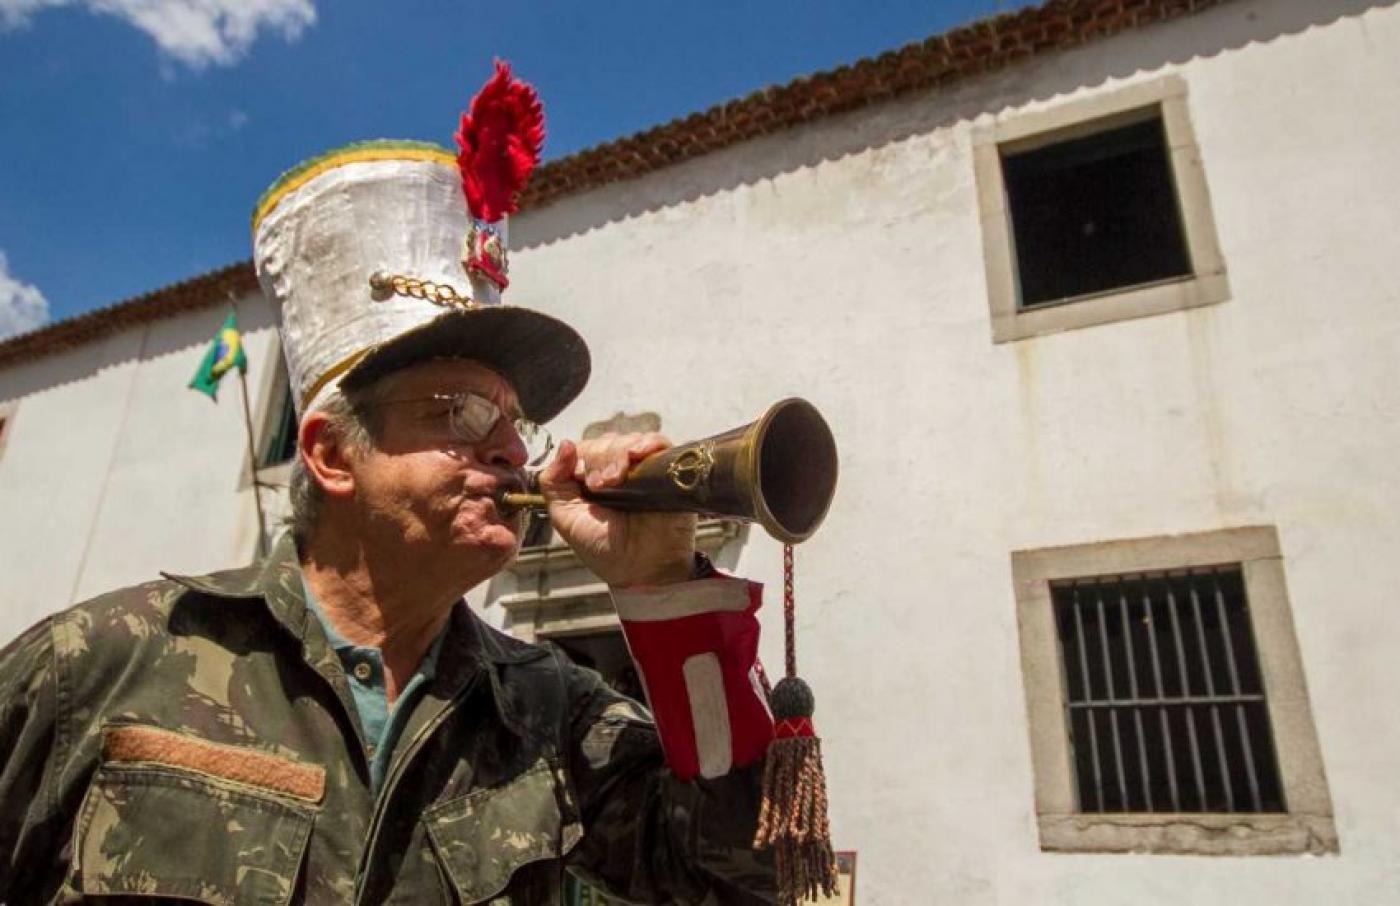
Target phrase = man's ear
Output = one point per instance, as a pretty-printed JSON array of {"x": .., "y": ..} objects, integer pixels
[{"x": 326, "y": 456}]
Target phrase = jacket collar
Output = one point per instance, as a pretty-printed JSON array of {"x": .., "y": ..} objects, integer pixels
[
  {"x": 270, "y": 578},
  {"x": 277, "y": 581}
]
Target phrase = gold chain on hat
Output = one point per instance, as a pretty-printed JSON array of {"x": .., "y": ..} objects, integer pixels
[{"x": 384, "y": 284}]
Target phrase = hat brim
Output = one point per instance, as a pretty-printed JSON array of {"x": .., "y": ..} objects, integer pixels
[{"x": 545, "y": 360}]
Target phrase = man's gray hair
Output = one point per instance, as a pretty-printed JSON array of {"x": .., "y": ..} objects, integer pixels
[{"x": 352, "y": 418}]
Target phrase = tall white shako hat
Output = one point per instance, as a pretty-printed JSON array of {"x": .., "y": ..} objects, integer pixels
[{"x": 386, "y": 253}]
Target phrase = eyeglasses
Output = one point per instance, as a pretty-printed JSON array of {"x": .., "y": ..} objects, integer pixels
[{"x": 471, "y": 418}]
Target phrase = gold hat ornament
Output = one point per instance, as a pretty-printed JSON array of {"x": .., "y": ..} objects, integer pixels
[{"x": 386, "y": 253}]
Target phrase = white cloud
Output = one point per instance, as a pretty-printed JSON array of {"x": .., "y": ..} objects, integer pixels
[
  {"x": 194, "y": 32},
  {"x": 22, "y": 306}
]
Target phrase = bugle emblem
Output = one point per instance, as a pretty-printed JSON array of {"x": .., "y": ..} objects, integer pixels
[{"x": 693, "y": 467}]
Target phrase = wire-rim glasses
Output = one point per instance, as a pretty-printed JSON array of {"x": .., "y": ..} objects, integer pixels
[{"x": 472, "y": 417}]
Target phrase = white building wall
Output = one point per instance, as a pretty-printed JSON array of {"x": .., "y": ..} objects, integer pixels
[
  {"x": 114, "y": 469},
  {"x": 843, "y": 262}
]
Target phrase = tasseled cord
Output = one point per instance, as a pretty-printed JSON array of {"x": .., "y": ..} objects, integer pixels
[{"x": 793, "y": 819}]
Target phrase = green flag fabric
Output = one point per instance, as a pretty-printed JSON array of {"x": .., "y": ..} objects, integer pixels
[{"x": 225, "y": 353}]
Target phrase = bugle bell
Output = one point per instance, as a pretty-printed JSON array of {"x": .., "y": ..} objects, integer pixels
[{"x": 778, "y": 471}]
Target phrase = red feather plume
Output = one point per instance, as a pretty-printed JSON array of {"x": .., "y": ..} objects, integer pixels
[{"x": 498, "y": 142}]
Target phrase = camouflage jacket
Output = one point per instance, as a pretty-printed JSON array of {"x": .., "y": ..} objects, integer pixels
[{"x": 196, "y": 738}]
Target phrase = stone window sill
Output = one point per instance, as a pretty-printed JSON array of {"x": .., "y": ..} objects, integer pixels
[{"x": 1190, "y": 834}]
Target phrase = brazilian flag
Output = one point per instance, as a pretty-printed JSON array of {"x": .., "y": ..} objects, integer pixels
[{"x": 225, "y": 354}]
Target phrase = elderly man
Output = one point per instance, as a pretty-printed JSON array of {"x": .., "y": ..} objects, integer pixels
[{"x": 334, "y": 725}]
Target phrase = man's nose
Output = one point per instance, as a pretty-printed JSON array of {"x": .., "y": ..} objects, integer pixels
[{"x": 503, "y": 447}]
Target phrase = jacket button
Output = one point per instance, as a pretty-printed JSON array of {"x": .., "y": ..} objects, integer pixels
[{"x": 363, "y": 671}]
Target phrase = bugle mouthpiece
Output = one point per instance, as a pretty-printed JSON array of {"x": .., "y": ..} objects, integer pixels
[{"x": 520, "y": 500}]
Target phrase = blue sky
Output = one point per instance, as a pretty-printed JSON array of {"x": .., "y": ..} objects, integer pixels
[{"x": 134, "y": 140}]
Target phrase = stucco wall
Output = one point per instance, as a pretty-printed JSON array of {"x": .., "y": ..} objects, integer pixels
[
  {"x": 843, "y": 262},
  {"x": 113, "y": 469}
]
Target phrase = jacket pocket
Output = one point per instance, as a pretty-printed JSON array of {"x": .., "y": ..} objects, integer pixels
[
  {"x": 165, "y": 830},
  {"x": 511, "y": 836}
]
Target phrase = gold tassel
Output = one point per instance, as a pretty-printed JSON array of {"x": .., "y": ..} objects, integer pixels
[{"x": 793, "y": 819}]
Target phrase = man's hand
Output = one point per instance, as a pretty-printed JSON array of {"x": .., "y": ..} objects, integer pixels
[{"x": 623, "y": 549}]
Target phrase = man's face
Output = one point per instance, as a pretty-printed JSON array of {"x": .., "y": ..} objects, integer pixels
[{"x": 423, "y": 485}]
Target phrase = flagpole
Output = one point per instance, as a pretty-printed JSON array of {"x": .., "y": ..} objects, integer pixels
[
  {"x": 252, "y": 452},
  {"x": 253, "y": 464}
]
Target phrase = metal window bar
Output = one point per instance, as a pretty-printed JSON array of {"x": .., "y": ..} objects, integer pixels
[
  {"x": 1089, "y": 695},
  {"x": 1112, "y": 697},
  {"x": 1235, "y": 689},
  {"x": 1186, "y": 689},
  {"x": 1214, "y": 707},
  {"x": 1133, "y": 688},
  {"x": 1220, "y": 766},
  {"x": 1168, "y": 744}
]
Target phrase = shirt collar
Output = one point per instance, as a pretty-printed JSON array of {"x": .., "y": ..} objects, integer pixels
[{"x": 344, "y": 647}]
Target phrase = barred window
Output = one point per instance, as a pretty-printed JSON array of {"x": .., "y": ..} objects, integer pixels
[
  {"x": 1165, "y": 703},
  {"x": 1166, "y": 700}
]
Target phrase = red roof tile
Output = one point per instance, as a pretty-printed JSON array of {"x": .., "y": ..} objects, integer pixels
[{"x": 212, "y": 288}]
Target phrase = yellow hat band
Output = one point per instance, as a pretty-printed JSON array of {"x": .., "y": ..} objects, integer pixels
[
  {"x": 336, "y": 371},
  {"x": 360, "y": 152}
]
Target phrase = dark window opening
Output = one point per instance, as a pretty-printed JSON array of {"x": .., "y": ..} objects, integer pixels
[
  {"x": 282, "y": 445},
  {"x": 1095, "y": 213},
  {"x": 538, "y": 529},
  {"x": 1164, "y": 697}
]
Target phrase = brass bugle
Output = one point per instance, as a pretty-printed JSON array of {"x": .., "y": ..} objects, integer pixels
[{"x": 778, "y": 471}]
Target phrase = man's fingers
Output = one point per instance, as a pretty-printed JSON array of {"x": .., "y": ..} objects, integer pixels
[
  {"x": 647, "y": 445},
  {"x": 607, "y": 459},
  {"x": 557, "y": 478}
]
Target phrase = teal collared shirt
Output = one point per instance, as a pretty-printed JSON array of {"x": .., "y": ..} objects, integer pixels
[{"x": 364, "y": 669}]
